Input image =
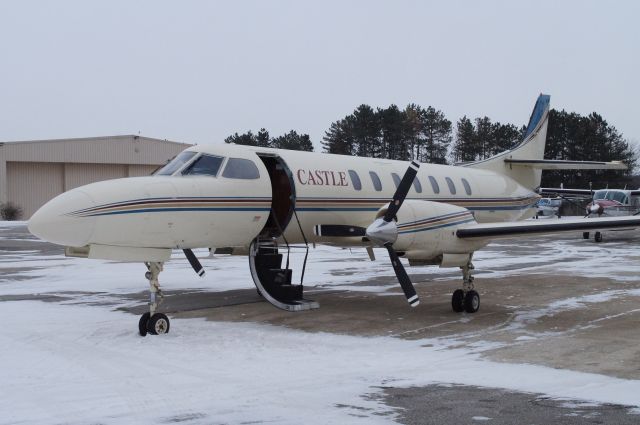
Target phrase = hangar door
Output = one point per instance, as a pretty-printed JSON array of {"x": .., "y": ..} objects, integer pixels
[{"x": 31, "y": 184}]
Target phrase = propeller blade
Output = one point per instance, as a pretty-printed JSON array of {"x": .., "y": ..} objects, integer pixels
[
  {"x": 338, "y": 230},
  {"x": 403, "y": 278},
  {"x": 401, "y": 191},
  {"x": 194, "y": 262}
]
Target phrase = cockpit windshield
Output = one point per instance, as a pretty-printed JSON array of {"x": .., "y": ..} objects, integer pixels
[
  {"x": 612, "y": 195},
  {"x": 207, "y": 165},
  {"x": 599, "y": 194},
  {"x": 175, "y": 164}
]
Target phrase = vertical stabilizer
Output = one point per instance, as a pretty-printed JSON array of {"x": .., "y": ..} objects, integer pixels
[{"x": 531, "y": 148}]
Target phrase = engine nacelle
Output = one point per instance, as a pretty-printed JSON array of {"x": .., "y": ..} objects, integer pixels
[{"x": 427, "y": 231}]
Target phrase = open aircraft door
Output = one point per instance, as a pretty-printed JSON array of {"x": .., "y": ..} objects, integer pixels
[{"x": 265, "y": 260}]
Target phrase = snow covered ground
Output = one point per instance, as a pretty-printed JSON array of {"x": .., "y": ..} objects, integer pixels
[{"x": 77, "y": 361}]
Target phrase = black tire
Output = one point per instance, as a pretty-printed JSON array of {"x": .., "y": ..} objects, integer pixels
[
  {"x": 598, "y": 237},
  {"x": 585, "y": 235},
  {"x": 457, "y": 301},
  {"x": 158, "y": 324},
  {"x": 142, "y": 324},
  {"x": 471, "y": 302}
]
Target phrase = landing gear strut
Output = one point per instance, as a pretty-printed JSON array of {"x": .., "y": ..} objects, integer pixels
[
  {"x": 466, "y": 299},
  {"x": 152, "y": 322}
]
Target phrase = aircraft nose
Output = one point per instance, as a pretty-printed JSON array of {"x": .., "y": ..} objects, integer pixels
[{"x": 60, "y": 220}]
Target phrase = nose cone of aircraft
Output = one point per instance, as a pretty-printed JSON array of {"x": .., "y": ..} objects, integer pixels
[{"x": 60, "y": 220}]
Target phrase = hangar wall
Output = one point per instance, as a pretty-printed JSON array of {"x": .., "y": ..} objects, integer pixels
[{"x": 32, "y": 172}]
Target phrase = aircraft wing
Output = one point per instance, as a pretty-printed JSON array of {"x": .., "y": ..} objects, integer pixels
[
  {"x": 557, "y": 164},
  {"x": 540, "y": 227},
  {"x": 562, "y": 191}
]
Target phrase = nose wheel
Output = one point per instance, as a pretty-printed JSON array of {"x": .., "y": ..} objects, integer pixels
[{"x": 152, "y": 322}]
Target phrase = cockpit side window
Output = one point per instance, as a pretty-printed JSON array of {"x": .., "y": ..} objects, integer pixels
[
  {"x": 207, "y": 165},
  {"x": 240, "y": 168},
  {"x": 175, "y": 164}
]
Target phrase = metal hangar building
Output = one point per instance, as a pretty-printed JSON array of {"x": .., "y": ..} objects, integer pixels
[{"x": 33, "y": 172}]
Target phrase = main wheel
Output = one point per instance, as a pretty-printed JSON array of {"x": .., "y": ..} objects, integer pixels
[
  {"x": 158, "y": 324},
  {"x": 598, "y": 237},
  {"x": 471, "y": 301},
  {"x": 585, "y": 235},
  {"x": 457, "y": 301},
  {"x": 142, "y": 324}
]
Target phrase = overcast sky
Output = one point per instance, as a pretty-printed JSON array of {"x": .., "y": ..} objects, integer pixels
[{"x": 198, "y": 71}]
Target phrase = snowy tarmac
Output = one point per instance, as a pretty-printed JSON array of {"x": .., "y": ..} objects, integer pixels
[{"x": 555, "y": 339}]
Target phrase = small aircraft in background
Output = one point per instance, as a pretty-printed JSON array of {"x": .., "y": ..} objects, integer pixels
[
  {"x": 546, "y": 207},
  {"x": 602, "y": 202},
  {"x": 258, "y": 202}
]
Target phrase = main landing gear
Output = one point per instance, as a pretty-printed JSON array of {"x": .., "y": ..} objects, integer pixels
[
  {"x": 466, "y": 299},
  {"x": 152, "y": 322}
]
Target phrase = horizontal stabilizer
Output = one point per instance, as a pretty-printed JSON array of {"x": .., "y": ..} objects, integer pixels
[
  {"x": 538, "y": 227},
  {"x": 557, "y": 164}
]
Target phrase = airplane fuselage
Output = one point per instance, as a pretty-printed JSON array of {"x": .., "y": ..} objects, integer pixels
[{"x": 224, "y": 207}]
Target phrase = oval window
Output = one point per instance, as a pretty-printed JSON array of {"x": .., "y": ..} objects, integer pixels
[
  {"x": 416, "y": 185},
  {"x": 396, "y": 179},
  {"x": 355, "y": 180},
  {"x": 452, "y": 187},
  {"x": 467, "y": 187},
  {"x": 434, "y": 184},
  {"x": 377, "y": 184}
]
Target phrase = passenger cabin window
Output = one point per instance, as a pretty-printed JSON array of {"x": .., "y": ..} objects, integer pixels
[
  {"x": 467, "y": 187},
  {"x": 434, "y": 184},
  {"x": 377, "y": 184},
  {"x": 175, "y": 164},
  {"x": 452, "y": 187},
  {"x": 396, "y": 179},
  {"x": 355, "y": 180},
  {"x": 205, "y": 165},
  {"x": 240, "y": 168},
  {"x": 416, "y": 185}
]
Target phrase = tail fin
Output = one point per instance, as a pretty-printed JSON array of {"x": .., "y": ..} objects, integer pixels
[{"x": 530, "y": 149}]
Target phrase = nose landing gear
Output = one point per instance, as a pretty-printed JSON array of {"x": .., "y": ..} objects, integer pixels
[{"x": 152, "y": 322}]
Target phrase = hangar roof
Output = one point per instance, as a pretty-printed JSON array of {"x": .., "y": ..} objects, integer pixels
[{"x": 124, "y": 149}]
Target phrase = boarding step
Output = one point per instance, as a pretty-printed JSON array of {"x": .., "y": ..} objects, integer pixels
[{"x": 274, "y": 282}]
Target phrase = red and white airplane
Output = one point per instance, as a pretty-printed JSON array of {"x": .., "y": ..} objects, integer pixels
[{"x": 253, "y": 201}]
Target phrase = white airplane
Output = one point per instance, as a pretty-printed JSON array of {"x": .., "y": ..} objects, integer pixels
[
  {"x": 253, "y": 200},
  {"x": 607, "y": 202}
]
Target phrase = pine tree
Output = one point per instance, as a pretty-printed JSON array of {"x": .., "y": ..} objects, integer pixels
[
  {"x": 242, "y": 139},
  {"x": 262, "y": 138},
  {"x": 293, "y": 141},
  {"x": 364, "y": 126},
  {"x": 436, "y": 137},
  {"x": 338, "y": 139},
  {"x": 463, "y": 149},
  {"x": 394, "y": 144}
]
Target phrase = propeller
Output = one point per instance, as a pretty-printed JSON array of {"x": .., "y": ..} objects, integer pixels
[
  {"x": 384, "y": 232},
  {"x": 193, "y": 260},
  {"x": 594, "y": 207}
]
